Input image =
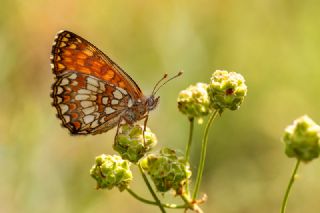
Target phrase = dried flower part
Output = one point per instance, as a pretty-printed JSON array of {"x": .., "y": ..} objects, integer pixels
[
  {"x": 302, "y": 139},
  {"x": 111, "y": 171},
  {"x": 167, "y": 170},
  {"x": 194, "y": 101},
  {"x": 226, "y": 90},
  {"x": 129, "y": 142}
]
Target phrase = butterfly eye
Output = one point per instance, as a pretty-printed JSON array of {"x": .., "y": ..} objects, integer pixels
[{"x": 150, "y": 101}]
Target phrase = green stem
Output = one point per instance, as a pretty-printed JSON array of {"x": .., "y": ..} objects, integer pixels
[
  {"x": 203, "y": 154},
  {"x": 151, "y": 190},
  {"x": 285, "y": 199},
  {"x": 187, "y": 155},
  {"x": 191, "y": 120},
  {"x": 187, "y": 201},
  {"x": 171, "y": 206}
]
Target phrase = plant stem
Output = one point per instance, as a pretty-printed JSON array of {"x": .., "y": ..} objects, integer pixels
[
  {"x": 190, "y": 204},
  {"x": 187, "y": 155},
  {"x": 285, "y": 199},
  {"x": 191, "y": 120},
  {"x": 151, "y": 190},
  {"x": 203, "y": 154},
  {"x": 171, "y": 206}
]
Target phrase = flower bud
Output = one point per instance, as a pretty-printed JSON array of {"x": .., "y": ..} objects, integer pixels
[
  {"x": 167, "y": 170},
  {"x": 111, "y": 171},
  {"x": 227, "y": 90},
  {"x": 302, "y": 139},
  {"x": 129, "y": 142},
  {"x": 194, "y": 101}
]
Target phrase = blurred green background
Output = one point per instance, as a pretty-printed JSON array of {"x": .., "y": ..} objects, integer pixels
[{"x": 274, "y": 44}]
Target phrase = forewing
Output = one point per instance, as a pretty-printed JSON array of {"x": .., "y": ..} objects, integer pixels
[
  {"x": 86, "y": 104},
  {"x": 71, "y": 52}
]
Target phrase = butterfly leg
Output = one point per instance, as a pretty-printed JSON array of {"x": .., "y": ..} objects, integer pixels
[
  {"x": 118, "y": 127},
  {"x": 144, "y": 129}
]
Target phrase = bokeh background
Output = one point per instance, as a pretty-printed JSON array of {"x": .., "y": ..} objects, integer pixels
[{"x": 274, "y": 44}]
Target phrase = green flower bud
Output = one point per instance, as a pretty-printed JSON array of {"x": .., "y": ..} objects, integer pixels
[
  {"x": 129, "y": 142},
  {"x": 167, "y": 170},
  {"x": 194, "y": 101},
  {"x": 302, "y": 139},
  {"x": 111, "y": 171},
  {"x": 227, "y": 90}
]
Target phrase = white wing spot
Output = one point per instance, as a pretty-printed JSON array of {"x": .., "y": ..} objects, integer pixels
[
  {"x": 72, "y": 76},
  {"x": 117, "y": 94},
  {"x": 59, "y": 90},
  {"x": 86, "y": 104},
  {"x": 130, "y": 103},
  {"x": 88, "y": 119},
  {"x": 59, "y": 99},
  {"x": 66, "y": 118},
  {"x": 74, "y": 83},
  {"x": 114, "y": 102},
  {"x": 93, "y": 98},
  {"x": 64, "y": 108},
  {"x": 92, "y": 81},
  {"x": 122, "y": 90},
  {"x": 82, "y": 97},
  {"x": 64, "y": 82},
  {"x": 89, "y": 110},
  {"x": 105, "y": 100},
  {"x": 109, "y": 110},
  {"x": 95, "y": 124},
  {"x": 84, "y": 91},
  {"x": 92, "y": 88},
  {"x": 102, "y": 87}
]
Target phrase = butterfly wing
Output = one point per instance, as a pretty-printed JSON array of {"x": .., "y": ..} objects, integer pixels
[
  {"x": 71, "y": 52},
  {"x": 91, "y": 92}
]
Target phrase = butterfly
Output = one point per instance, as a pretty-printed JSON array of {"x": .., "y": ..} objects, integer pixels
[{"x": 91, "y": 93}]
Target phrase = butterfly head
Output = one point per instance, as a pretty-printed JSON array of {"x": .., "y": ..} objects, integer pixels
[{"x": 152, "y": 102}]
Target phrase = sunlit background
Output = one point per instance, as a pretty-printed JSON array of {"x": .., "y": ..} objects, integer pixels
[{"x": 274, "y": 44}]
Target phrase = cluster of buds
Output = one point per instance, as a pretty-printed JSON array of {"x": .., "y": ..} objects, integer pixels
[
  {"x": 131, "y": 145},
  {"x": 111, "y": 171},
  {"x": 194, "y": 101},
  {"x": 302, "y": 139},
  {"x": 114, "y": 171},
  {"x": 167, "y": 170},
  {"x": 225, "y": 91}
]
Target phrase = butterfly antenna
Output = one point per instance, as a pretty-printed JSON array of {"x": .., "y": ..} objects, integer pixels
[
  {"x": 177, "y": 75},
  {"x": 155, "y": 87}
]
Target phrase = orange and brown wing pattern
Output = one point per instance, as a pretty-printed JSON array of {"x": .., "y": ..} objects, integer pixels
[
  {"x": 71, "y": 52},
  {"x": 88, "y": 105}
]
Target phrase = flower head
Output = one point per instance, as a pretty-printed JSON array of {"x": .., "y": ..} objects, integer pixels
[
  {"x": 167, "y": 170},
  {"x": 302, "y": 139},
  {"x": 129, "y": 142},
  {"x": 194, "y": 101},
  {"x": 111, "y": 171},
  {"x": 226, "y": 90}
]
